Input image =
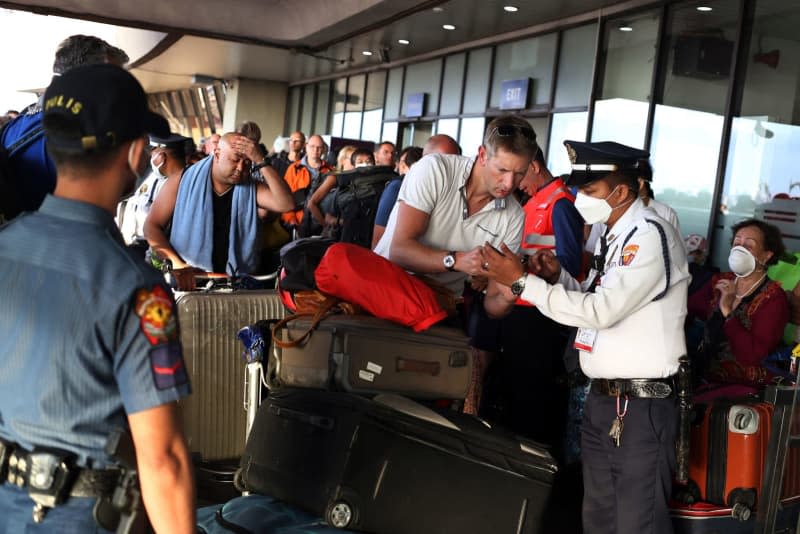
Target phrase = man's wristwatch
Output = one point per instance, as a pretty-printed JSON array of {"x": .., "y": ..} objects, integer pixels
[
  {"x": 450, "y": 261},
  {"x": 519, "y": 285},
  {"x": 264, "y": 163}
]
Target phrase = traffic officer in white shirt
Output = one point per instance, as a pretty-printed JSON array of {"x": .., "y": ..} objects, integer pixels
[
  {"x": 167, "y": 160},
  {"x": 629, "y": 313}
]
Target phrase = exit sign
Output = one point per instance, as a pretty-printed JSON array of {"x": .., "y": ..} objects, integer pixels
[{"x": 514, "y": 93}]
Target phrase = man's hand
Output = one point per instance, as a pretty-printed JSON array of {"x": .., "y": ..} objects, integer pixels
[
  {"x": 545, "y": 265},
  {"x": 470, "y": 262},
  {"x": 503, "y": 266},
  {"x": 247, "y": 148},
  {"x": 478, "y": 283},
  {"x": 185, "y": 277}
]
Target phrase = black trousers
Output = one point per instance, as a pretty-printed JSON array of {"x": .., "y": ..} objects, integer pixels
[{"x": 626, "y": 488}]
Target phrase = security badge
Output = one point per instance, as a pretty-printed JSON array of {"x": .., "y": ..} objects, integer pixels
[{"x": 585, "y": 338}]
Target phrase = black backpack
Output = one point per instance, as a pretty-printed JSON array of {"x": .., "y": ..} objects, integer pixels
[
  {"x": 10, "y": 205},
  {"x": 357, "y": 195}
]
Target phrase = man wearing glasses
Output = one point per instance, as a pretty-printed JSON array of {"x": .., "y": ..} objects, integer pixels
[{"x": 450, "y": 205}]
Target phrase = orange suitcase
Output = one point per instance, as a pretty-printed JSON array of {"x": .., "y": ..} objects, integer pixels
[{"x": 729, "y": 443}]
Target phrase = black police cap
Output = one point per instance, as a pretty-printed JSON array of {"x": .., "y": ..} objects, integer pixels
[
  {"x": 107, "y": 104},
  {"x": 592, "y": 161},
  {"x": 173, "y": 140}
]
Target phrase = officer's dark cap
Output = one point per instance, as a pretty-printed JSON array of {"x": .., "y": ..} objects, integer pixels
[
  {"x": 107, "y": 104},
  {"x": 593, "y": 161},
  {"x": 173, "y": 140}
]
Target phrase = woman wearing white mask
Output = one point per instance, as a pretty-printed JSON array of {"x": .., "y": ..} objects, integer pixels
[{"x": 745, "y": 311}]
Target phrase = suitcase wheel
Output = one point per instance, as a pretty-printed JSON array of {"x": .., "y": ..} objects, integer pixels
[
  {"x": 339, "y": 514},
  {"x": 741, "y": 511}
]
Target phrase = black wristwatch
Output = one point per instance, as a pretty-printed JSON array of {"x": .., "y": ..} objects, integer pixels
[
  {"x": 264, "y": 163},
  {"x": 519, "y": 285}
]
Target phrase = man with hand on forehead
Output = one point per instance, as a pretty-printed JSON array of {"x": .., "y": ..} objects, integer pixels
[
  {"x": 629, "y": 313},
  {"x": 213, "y": 212}
]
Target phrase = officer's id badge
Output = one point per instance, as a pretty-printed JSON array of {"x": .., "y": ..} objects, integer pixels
[
  {"x": 585, "y": 338},
  {"x": 628, "y": 253},
  {"x": 166, "y": 362},
  {"x": 154, "y": 308}
]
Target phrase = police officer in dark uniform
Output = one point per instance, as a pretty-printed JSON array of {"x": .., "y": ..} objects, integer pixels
[
  {"x": 629, "y": 313},
  {"x": 88, "y": 335}
]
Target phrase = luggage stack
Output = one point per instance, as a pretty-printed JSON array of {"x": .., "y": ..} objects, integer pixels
[
  {"x": 351, "y": 432},
  {"x": 732, "y": 446}
]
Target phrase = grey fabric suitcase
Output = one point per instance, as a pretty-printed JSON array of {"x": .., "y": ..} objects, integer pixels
[
  {"x": 214, "y": 416},
  {"x": 367, "y": 355}
]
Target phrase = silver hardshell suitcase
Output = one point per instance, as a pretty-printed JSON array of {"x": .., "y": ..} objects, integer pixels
[{"x": 214, "y": 414}]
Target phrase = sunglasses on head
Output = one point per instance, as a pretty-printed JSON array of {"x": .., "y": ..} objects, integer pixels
[{"x": 510, "y": 130}]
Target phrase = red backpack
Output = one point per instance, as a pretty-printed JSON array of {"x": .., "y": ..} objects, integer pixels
[{"x": 358, "y": 275}]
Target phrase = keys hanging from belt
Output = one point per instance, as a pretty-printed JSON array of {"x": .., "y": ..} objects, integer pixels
[{"x": 617, "y": 425}]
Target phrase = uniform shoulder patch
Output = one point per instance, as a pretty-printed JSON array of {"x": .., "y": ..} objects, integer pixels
[
  {"x": 157, "y": 320},
  {"x": 166, "y": 362},
  {"x": 628, "y": 254}
]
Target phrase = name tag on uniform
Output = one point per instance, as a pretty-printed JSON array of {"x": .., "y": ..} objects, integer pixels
[{"x": 584, "y": 339}]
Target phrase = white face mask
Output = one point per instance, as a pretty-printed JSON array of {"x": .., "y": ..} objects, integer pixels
[
  {"x": 741, "y": 261},
  {"x": 157, "y": 168},
  {"x": 593, "y": 210}
]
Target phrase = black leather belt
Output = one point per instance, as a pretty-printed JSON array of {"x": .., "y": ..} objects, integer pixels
[{"x": 644, "y": 388}]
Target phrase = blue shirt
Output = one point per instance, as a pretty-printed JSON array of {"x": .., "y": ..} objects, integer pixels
[
  {"x": 568, "y": 229},
  {"x": 88, "y": 333},
  {"x": 32, "y": 171},
  {"x": 387, "y": 201}
]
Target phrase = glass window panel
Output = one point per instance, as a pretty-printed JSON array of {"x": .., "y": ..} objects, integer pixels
[
  {"x": 621, "y": 120},
  {"x": 576, "y": 66},
  {"x": 339, "y": 90},
  {"x": 389, "y": 132},
  {"x": 307, "y": 113},
  {"x": 528, "y": 58},
  {"x": 448, "y": 127},
  {"x": 476, "y": 89},
  {"x": 293, "y": 119},
  {"x": 681, "y": 136},
  {"x": 539, "y": 125},
  {"x": 354, "y": 104},
  {"x": 701, "y": 46},
  {"x": 764, "y": 138},
  {"x": 323, "y": 103},
  {"x": 452, "y": 83},
  {"x": 565, "y": 127},
  {"x": 424, "y": 78},
  {"x": 471, "y": 137},
  {"x": 621, "y": 111},
  {"x": 373, "y": 105},
  {"x": 394, "y": 88},
  {"x": 687, "y": 126}
]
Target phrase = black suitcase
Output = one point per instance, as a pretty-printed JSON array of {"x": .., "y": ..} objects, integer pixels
[{"x": 393, "y": 466}]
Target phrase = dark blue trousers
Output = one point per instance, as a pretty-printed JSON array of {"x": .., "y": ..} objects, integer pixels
[
  {"x": 72, "y": 517},
  {"x": 626, "y": 488}
]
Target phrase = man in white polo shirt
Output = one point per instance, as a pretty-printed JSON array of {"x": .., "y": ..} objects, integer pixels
[{"x": 449, "y": 206}]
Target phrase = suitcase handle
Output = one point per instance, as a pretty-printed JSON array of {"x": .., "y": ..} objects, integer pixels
[
  {"x": 417, "y": 366},
  {"x": 320, "y": 421}
]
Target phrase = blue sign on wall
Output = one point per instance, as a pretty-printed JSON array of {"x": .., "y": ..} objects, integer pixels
[
  {"x": 415, "y": 105},
  {"x": 514, "y": 93}
]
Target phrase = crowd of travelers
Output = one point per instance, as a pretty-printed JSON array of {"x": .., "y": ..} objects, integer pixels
[{"x": 568, "y": 286}]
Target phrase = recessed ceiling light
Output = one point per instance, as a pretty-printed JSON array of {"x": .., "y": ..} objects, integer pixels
[
  {"x": 367, "y": 53},
  {"x": 404, "y": 41},
  {"x": 438, "y": 9},
  {"x": 448, "y": 27},
  {"x": 511, "y": 9},
  {"x": 625, "y": 28},
  {"x": 704, "y": 8}
]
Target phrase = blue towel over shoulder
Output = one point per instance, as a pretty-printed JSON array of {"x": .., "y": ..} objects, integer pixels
[{"x": 192, "y": 234}]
